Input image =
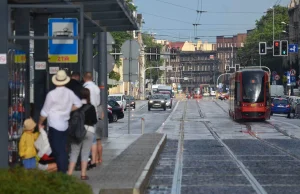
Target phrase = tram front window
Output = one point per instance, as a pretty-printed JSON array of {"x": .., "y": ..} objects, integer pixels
[{"x": 253, "y": 87}]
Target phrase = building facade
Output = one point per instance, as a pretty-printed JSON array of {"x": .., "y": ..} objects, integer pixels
[
  {"x": 200, "y": 67},
  {"x": 294, "y": 33},
  {"x": 227, "y": 48}
]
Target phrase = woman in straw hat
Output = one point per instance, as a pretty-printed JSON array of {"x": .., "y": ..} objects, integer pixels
[{"x": 58, "y": 105}]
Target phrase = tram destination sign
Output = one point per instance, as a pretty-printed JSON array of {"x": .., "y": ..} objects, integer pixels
[{"x": 63, "y": 50}]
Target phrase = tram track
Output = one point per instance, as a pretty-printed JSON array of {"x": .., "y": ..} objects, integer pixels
[
  {"x": 252, "y": 180},
  {"x": 254, "y": 135}
]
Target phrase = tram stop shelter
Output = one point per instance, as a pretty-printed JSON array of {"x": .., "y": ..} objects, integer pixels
[{"x": 53, "y": 35}]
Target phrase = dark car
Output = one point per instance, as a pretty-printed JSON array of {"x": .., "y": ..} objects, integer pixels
[
  {"x": 157, "y": 101},
  {"x": 130, "y": 101},
  {"x": 117, "y": 110},
  {"x": 281, "y": 106},
  {"x": 110, "y": 116}
]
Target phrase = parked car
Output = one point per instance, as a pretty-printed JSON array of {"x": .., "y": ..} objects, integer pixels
[
  {"x": 130, "y": 101},
  {"x": 120, "y": 99},
  {"x": 117, "y": 110},
  {"x": 157, "y": 101},
  {"x": 281, "y": 106},
  {"x": 110, "y": 116}
]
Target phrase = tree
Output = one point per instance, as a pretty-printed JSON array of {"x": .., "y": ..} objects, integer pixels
[
  {"x": 130, "y": 5},
  {"x": 153, "y": 74},
  {"x": 263, "y": 32}
]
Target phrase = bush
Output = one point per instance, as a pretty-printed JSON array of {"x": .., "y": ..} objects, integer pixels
[{"x": 21, "y": 181}]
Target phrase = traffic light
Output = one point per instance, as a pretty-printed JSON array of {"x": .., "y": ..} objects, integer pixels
[
  {"x": 284, "y": 48},
  {"x": 237, "y": 67},
  {"x": 276, "y": 48},
  {"x": 262, "y": 48},
  {"x": 227, "y": 68}
]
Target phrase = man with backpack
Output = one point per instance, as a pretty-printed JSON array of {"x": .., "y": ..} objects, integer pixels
[{"x": 58, "y": 105}]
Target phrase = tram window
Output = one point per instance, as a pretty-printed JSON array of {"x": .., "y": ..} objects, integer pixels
[
  {"x": 237, "y": 92},
  {"x": 253, "y": 87}
]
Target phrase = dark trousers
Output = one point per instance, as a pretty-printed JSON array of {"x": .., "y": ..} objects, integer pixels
[{"x": 58, "y": 143}]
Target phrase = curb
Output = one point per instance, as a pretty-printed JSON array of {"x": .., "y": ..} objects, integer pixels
[
  {"x": 144, "y": 178},
  {"x": 159, "y": 130}
]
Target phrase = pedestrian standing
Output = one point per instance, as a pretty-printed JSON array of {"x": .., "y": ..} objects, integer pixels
[
  {"x": 95, "y": 101},
  {"x": 84, "y": 147},
  {"x": 58, "y": 105},
  {"x": 27, "y": 149},
  {"x": 75, "y": 84}
]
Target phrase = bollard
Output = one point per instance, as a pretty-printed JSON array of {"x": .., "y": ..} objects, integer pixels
[{"x": 143, "y": 125}]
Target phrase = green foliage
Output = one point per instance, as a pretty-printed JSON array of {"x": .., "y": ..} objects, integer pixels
[
  {"x": 155, "y": 73},
  {"x": 263, "y": 32},
  {"x": 21, "y": 181},
  {"x": 114, "y": 75},
  {"x": 130, "y": 5},
  {"x": 120, "y": 38}
]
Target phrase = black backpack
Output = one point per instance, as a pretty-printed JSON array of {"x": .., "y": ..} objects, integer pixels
[{"x": 77, "y": 131}]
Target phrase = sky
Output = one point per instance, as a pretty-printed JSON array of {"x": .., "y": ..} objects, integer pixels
[{"x": 173, "y": 19}]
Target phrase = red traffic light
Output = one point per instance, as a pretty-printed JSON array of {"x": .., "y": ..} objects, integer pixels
[{"x": 276, "y": 44}]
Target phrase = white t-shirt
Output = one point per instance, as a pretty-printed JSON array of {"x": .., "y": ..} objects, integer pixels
[{"x": 58, "y": 106}]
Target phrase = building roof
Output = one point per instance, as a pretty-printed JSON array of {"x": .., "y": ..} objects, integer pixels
[{"x": 176, "y": 45}]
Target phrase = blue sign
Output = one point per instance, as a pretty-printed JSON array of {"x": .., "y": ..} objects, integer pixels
[
  {"x": 293, "y": 79},
  {"x": 293, "y": 48},
  {"x": 63, "y": 50}
]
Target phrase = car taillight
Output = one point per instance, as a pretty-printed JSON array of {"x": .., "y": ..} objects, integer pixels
[
  {"x": 288, "y": 106},
  {"x": 272, "y": 104},
  {"x": 109, "y": 108}
]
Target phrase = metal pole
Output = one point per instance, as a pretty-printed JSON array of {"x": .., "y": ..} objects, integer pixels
[
  {"x": 4, "y": 86},
  {"x": 88, "y": 53},
  {"x": 129, "y": 79},
  {"x": 260, "y": 61},
  {"x": 273, "y": 23},
  {"x": 102, "y": 46}
]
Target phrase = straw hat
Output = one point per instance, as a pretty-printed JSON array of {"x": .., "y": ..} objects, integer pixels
[
  {"x": 29, "y": 125},
  {"x": 60, "y": 78}
]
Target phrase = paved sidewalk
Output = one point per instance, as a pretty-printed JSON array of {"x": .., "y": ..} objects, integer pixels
[{"x": 127, "y": 162}]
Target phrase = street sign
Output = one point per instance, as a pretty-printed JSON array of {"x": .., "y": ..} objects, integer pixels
[
  {"x": 172, "y": 78},
  {"x": 131, "y": 52},
  {"x": 134, "y": 53},
  {"x": 185, "y": 78},
  {"x": 3, "y": 58},
  {"x": 293, "y": 79},
  {"x": 63, "y": 50},
  {"x": 53, "y": 70},
  {"x": 40, "y": 65},
  {"x": 293, "y": 48},
  {"x": 293, "y": 72},
  {"x": 277, "y": 77}
]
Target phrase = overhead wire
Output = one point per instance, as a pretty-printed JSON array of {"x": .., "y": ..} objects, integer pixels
[{"x": 216, "y": 12}]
